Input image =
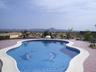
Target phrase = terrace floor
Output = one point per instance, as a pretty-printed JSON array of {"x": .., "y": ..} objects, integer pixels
[
  {"x": 90, "y": 62},
  {"x": 89, "y": 65}
]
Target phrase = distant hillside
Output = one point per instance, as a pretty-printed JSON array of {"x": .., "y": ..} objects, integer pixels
[{"x": 32, "y": 30}]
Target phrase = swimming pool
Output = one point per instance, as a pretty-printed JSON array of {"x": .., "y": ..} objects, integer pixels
[{"x": 43, "y": 56}]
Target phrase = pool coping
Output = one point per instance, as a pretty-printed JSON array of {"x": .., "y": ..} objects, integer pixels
[{"x": 75, "y": 65}]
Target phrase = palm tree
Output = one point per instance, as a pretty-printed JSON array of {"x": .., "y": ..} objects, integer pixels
[
  {"x": 93, "y": 39},
  {"x": 69, "y": 33}
]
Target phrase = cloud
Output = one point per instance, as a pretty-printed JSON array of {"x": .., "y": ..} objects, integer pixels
[
  {"x": 79, "y": 14},
  {"x": 64, "y": 5},
  {"x": 2, "y": 5},
  {"x": 49, "y": 4}
]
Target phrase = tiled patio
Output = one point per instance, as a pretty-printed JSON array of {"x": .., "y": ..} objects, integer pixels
[{"x": 90, "y": 63}]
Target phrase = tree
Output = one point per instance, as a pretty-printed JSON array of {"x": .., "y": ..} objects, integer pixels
[
  {"x": 25, "y": 34},
  {"x": 45, "y": 33}
]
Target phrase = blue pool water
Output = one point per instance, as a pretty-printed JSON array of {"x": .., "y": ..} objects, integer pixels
[{"x": 43, "y": 56}]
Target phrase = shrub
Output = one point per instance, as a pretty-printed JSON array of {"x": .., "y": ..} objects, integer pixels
[
  {"x": 93, "y": 45},
  {"x": 4, "y": 37}
]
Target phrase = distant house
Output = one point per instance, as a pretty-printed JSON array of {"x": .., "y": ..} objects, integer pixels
[
  {"x": 11, "y": 35},
  {"x": 14, "y": 35}
]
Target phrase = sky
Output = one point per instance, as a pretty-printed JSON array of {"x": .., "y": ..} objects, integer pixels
[{"x": 60, "y": 14}]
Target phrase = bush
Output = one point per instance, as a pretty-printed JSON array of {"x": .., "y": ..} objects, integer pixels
[
  {"x": 88, "y": 36},
  {"x": 93, "y": 46}
]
